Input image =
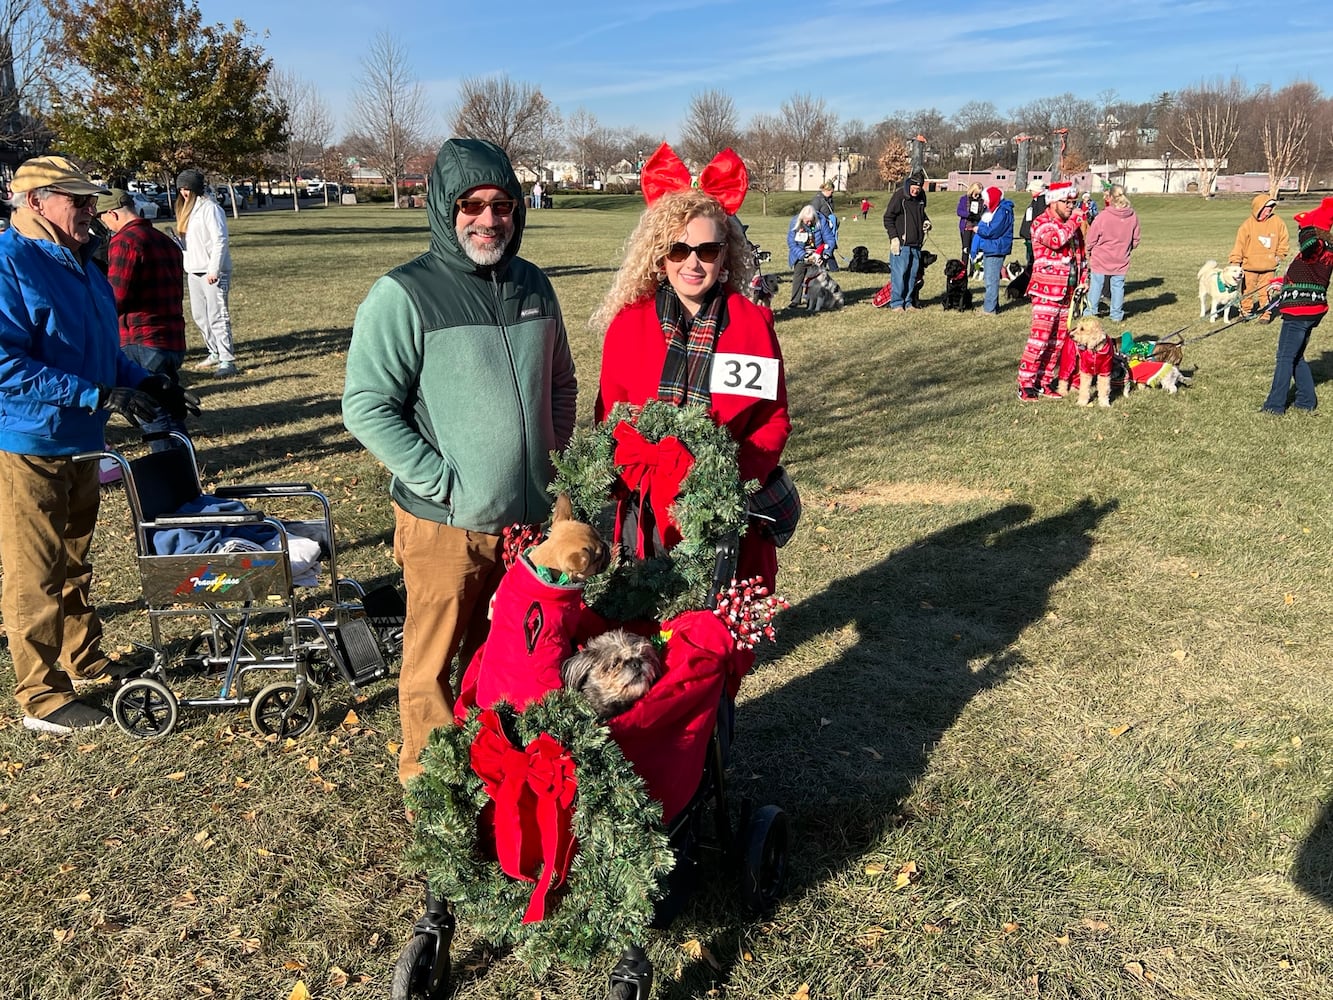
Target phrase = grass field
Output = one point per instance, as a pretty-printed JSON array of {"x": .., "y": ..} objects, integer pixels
[{"x": 1050, "y": 711}]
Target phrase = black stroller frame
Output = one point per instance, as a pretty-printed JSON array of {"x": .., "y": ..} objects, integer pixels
[
  {"x": 236, "y": 592},
  {"x": 758, "y": 845}
]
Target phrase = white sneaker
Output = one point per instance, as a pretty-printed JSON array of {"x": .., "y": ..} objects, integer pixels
[{"x": 209, "y": 362}]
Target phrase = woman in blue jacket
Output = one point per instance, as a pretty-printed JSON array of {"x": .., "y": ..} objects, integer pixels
[
  {"x": 809, "y": 245},
  {"x": 993, "y": 237}
]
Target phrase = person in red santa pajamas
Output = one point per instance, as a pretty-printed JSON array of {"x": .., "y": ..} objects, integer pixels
[{"x": 1057, "y": 270}]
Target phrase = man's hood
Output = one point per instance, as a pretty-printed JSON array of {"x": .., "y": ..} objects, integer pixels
[
  {"x": 461, "y": 165},
  {"x": 1258, "y": 202}
]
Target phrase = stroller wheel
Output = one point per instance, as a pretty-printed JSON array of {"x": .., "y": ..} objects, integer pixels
[
  {"x": 766, "y": 841},
  {"x": 416, "y": 967},
  {"x": 275, "y": 711},
  {"x": 145, "y": 708}
]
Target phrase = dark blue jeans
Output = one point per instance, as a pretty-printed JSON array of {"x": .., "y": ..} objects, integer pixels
[{"x": 1291, "y": 365}]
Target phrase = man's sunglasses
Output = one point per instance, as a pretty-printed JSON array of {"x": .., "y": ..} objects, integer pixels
[
  {"x": 80, "y": 200},
  {"x": 706, "y": 252},
  {"x": 503, "y": 207}
]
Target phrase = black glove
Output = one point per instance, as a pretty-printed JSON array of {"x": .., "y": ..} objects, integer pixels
[
  {"x": 135, "y": 406},
  {"x": 172, "y": 398}
]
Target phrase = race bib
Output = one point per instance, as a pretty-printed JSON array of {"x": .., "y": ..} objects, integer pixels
[{"x": 745, "y": 375}]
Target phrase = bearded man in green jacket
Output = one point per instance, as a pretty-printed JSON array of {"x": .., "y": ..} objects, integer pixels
[{"x": 460, "y": 380}]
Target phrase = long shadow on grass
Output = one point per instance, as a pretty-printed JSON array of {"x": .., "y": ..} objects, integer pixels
[{"x": 1313, "y": 870}]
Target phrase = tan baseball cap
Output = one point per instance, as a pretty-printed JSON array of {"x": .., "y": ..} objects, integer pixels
[
  {"x": 54, "y": 172},
  {"x": 114, "y": 199}
]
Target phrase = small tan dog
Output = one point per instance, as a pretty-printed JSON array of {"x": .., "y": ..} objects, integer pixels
[
  {"x": 1095, "y": 353},
  {"x": 613, "y": 671},
  {"x": 1219, "y": 287},
  {"x": 571, "y": 547}
]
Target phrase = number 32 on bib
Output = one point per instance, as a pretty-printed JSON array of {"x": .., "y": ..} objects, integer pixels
[{"x": 745, "y": 375}]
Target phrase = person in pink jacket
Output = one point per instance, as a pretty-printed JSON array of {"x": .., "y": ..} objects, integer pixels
[{"x": 1112, "y": 237}]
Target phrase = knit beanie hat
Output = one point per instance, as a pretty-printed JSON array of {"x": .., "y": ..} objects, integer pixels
[
  {"x": 190, "y": 179},
  {"x": 993, "y": 196},
  {"x": 917, "y": 177}
]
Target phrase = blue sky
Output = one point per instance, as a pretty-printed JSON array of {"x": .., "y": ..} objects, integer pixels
[{"x": 636, "y": 63}]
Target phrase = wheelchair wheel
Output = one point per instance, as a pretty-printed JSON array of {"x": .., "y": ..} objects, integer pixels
[
  {"x": 277, "y": 699},
  {"x": 416, "y": 964},
  {"x": 145, "y": 708},
  {"x": 765, "y": 860}
]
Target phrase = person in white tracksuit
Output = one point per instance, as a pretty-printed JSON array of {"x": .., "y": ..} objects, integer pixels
[{"x": 201, "y": 226}]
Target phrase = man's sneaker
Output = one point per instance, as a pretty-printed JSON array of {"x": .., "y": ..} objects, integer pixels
[
  {"x": 225, "y": 370},
  {"x": 1027, "y": 394},
  {"x": 68, "y": 718},
  {"x": 209, "y": 362},
  {"x": 1049, "y": 393}
]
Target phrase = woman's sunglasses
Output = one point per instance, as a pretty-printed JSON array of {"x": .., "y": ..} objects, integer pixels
[
  {"x": 503, "y": 207},
  {"x": 706, "y": 252}
]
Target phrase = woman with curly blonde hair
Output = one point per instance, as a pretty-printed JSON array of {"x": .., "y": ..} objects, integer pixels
[{"x": 679, "y": 329}]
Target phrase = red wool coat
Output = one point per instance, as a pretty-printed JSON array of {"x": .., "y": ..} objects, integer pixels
[{"x": 633, "y": 353}]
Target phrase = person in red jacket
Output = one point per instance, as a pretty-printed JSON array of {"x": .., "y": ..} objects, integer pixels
[
  {"x": 680, "y": 329},
  {"x": 1303, "y": 303}
]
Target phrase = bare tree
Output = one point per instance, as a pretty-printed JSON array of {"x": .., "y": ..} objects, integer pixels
[
  {"x": 309, "y": 125},
  {"x": 1203, "y": 125},
  {"x": 710, "y": 126},
  {"x": 811, "y": 131},
  {"x": 586, "y": 138},
  {"x": 764, "y": 148},
  {"x": 25, "y": 31},
  {"x": 517, "y": 117},
  {"x": 1285, "y": 122},
  {"x": 388, "y": 112}
]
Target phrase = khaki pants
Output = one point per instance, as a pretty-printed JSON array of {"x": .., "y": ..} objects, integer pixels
[
  {"x": 48, "y": 509},
  {"x": 450, "y": 575},
  {"x": 1254, "y": 295}
]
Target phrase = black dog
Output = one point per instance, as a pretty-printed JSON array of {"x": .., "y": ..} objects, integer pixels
[
  {"x": 927, "y": 258},
  {"x": 956, "y": 293},
  {"x": 863, "y": 263},
  {"x": 1017, "y": 275}
]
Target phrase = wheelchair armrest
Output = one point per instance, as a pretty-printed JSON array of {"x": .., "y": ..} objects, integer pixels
[
  {"x": 207, "y": 519},
  {"x": 262, "y": 490},
  {"x": 724, "y": 567}
]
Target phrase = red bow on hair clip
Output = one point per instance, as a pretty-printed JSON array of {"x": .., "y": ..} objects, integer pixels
[{"x": 725, "y": 178}]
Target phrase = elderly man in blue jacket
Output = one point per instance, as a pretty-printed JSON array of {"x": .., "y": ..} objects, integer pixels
[{"x": 61, "y": 375}]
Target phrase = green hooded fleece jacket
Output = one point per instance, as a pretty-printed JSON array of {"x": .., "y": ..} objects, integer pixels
[{"x": 459, "y": 377}]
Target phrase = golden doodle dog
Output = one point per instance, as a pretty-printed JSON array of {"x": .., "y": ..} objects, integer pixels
[
  {"x": 1096, "y": 354},
  {"x": 571, "y": 547},
  {"x": 1219, "y": 287},
  {"x": 612, "y": 671}
]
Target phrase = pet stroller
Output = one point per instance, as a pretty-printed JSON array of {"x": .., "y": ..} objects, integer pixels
[
  {"x": 762, "y": 286},
  {"x": 676, "y": 738},
  {"x": 211, "y": 557}
]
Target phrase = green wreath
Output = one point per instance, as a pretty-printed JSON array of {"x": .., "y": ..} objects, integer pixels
[
  {"x": 711, "y": 506},
  {"x": 623, "y": 854}
]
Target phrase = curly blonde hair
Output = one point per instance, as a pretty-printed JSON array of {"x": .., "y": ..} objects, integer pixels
[{"x": 661, "y": 225}]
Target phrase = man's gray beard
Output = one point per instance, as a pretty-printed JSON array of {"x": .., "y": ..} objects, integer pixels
[{"x": 488, "y": 257}]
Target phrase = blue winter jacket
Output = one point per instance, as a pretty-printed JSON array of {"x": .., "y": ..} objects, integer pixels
[
  {"x": 59, "y": 340},
  {"x": 819, "y": 234},
  {"x": 995, "y": 238}
]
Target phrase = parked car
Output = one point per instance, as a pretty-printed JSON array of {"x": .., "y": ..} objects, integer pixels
[{"x": 144, "y": 206}]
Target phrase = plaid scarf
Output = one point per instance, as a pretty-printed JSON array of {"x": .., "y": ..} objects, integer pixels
[{"x": 689, "y": 357}]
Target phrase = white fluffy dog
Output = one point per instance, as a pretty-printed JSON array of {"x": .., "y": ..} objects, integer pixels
[{"x": 1219, "y": 287}]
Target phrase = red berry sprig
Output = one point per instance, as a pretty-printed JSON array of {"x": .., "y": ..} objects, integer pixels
[
  {"x": 748, "y": 609},
  {"x": 518, "y": 538}
]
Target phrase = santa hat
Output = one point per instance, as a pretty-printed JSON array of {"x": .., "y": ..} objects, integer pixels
[
  {"x": 1320, "y": 218},
  {"x": 993, "y": 196},
  {"x": 1060, "y": 190}
]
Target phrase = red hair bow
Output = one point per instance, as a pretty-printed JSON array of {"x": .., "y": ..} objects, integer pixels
[{"x": 725, "y": 178}]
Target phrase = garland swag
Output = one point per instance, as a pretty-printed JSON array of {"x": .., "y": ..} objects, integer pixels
[
  {"x": 618, "y": 871},
  {"x": 710, "y": 506}
]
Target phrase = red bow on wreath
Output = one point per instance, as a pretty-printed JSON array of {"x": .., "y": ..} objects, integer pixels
[
  {"x": 725, "y": 178},
  {"x": 533, "y": 791},
  {"x": 656, "y": 471}
]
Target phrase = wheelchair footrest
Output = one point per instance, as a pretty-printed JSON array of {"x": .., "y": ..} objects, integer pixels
[{"x": 360, "y": 649}]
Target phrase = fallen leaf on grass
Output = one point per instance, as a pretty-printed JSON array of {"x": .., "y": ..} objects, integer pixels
[
  {"x": 802, "y": 992},
  {"x": 66, "y": 868},
  {"x": 1137, "y": 970},
  {"x": 1011, "y": 926},
  {"x": 175, "y": 775},
  {"x": 1288, "y": 599},
  {"x": 299, "y": 992},
  {"x": 874, "y": 869},
  {"x": 1120, "y": 730},
  {"x": 63, "y": 935},
  {"x": 1062, "y": 940},
  {"x": 294, "y": 965},
  {"x": 393, "y": 748},
  {"x": 186, "y": 898},
  {"x": 1097, "y": 926},
  {"x": 907, "y": 874},
  {"x": 337, "y": 977},
  {"x": 312, "y": 765},
  {"x": 351, "y": 720},
  {"x": 1179, "y": 655},
  {"x": 698, "y": 952},
  {"x": 874, "y": 754}
]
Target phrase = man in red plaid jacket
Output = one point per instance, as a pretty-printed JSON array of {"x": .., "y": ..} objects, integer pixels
[{"x": 148, "y": 278}]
